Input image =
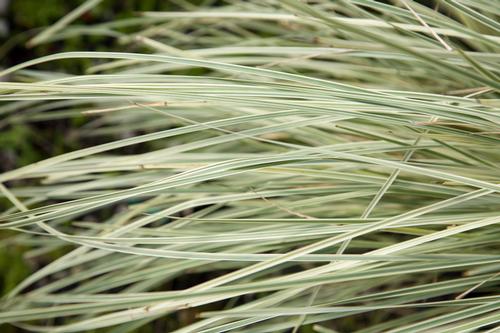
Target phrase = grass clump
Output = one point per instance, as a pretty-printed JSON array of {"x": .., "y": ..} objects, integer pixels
[{"x": 264, "y": 166}]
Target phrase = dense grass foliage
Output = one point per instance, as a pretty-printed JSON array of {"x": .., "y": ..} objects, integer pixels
[{"x": 263, "y": 166}]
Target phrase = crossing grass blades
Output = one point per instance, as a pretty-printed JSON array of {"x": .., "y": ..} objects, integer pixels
[{"x": 297, "y": 166}]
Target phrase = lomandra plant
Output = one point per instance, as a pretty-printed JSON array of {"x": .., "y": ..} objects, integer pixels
[{"x": 264, "y": 166}]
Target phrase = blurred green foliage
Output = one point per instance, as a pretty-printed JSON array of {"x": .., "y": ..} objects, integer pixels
[
  {"x": 28, "y": 17},
  {"x": 12, "y": 267},
  {"x": 18, "y": 141}
]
